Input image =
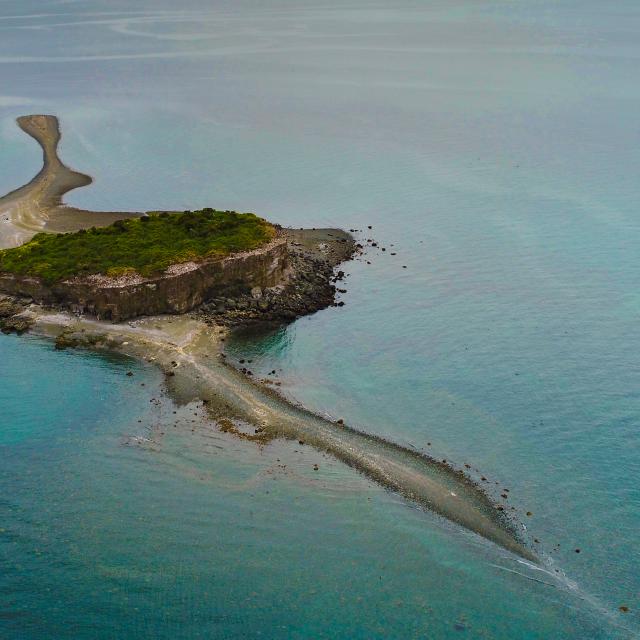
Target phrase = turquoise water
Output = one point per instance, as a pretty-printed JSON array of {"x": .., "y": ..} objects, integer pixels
[
  {"x": 495, "y": 146},
  {"x": 121, "y": 519}
]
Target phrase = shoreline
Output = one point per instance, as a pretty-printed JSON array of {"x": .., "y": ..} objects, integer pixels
[
  {"x": 307, "y": 284},
  {"x": 188, "y": 348}
]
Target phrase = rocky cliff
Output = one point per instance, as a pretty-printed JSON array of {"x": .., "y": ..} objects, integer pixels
[{"x": 181, "y": 288}]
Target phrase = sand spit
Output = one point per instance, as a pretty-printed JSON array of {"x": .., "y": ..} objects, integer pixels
[
  {"x": 38, "y": 206},
  {"x": 190, "y": 353}
]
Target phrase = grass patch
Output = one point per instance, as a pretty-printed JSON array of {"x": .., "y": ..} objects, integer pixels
[{"x": 140, "y": 245}]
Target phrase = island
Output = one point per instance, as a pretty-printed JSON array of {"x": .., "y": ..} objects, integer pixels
[
  {"x": 167, "y": 287},
  {"x": 234, "y": 266}
]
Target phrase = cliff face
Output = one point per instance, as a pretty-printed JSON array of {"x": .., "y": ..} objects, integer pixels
[{"x": 179, "y": 290}]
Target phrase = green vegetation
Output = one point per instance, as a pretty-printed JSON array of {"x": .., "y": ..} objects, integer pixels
[{"x": 145, "y": 245}]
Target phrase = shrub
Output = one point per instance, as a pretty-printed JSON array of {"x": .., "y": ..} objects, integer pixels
[{"x": 138, "y": 245}]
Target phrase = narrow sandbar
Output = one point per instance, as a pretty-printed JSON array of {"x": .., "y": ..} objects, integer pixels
[
  {"x": 190, "y": 351},
  {"x": 38, "y": 205}
]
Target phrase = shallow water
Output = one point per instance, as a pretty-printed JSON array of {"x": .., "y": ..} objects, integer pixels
[{"x": 494, "y": 145}]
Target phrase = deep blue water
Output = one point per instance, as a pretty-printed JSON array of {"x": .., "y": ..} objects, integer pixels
[{"x": 495, "y": 146}]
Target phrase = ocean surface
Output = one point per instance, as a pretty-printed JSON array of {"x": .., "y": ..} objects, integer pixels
[{"x": 494, "y": 148}]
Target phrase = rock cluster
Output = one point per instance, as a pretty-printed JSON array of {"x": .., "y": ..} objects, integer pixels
[
  {"x": 311, "y": 287},
  {"x": 11, "y": 318},
  {"x": 71, "y": 339}
]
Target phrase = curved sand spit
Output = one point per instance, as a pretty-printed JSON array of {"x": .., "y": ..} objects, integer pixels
[
  {"x": 203, "y": 374},
  {"x": 37, "y": 206}
]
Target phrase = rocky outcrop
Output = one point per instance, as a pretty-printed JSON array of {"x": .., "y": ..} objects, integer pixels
[
  {"x": 309, "y": 288},
  {"x": 178, "y": 290},
  {"x": 12, "y": 317}
]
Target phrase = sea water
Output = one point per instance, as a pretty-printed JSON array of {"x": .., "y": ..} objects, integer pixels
[{"x": 493, "y": 148}]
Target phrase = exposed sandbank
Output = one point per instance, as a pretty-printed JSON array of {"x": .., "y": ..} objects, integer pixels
[
  {"x": 37, "y": 206},
  {"x": 190, "y": 351}
]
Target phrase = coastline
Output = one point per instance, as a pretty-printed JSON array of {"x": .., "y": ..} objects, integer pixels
[
  {"x": 305, "y": 286},
  {"x": 188, "y": 348}
]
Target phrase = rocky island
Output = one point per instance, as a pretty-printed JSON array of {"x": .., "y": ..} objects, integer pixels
[
  {"x": 204, "y": 271},
  {"x": 235, "y": 267}
]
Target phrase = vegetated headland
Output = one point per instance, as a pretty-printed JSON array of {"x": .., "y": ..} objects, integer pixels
[{"x": 207, "y": 271}]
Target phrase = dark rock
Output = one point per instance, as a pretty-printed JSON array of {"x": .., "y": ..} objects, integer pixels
[
  {"x": 15, "y": 324},
  {"x": 9, "y": 308},
  {"x": 64, "y": 341},
  {"x": 308, "y": 290}
]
